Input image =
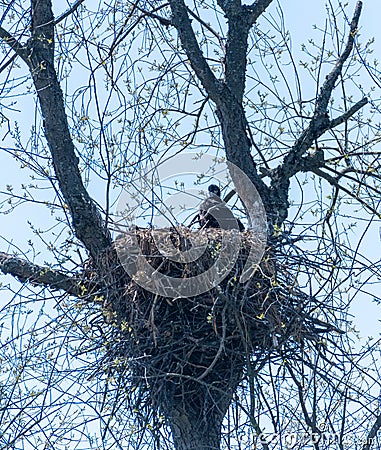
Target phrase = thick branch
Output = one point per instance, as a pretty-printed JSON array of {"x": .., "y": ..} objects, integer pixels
[
  {"x": 240, "y": 20},
  {"x": 320, "y": 122},
  {"x": 237, "y": 144},
  {"x": 183, "y": 25},
  {"x": 295, "y": 162},
  {"x": 87, "y": 221},
  {"x": 39, "y": 55},
  {"x": 252, "y": 11},
  {"x": 37, "y": 275},
  {"x": 18, "y": 48},
  {"x": 304, "y": 164},
  {"x": 43, "y": 22},
  {"x": 224, "y": 5},
  {"x": 329, "y": 84},
  {"x": 236, "y": 51}
]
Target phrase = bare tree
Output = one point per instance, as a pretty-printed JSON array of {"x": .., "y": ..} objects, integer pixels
[{"x": 91, "y": 353}]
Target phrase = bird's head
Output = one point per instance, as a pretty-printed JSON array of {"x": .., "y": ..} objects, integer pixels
[{"x": 214, "y": 190}]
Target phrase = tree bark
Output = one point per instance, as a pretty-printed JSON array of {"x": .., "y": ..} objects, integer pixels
[
  {"x": 195, "y": 409},
  {"x": 190, "y": 432}
]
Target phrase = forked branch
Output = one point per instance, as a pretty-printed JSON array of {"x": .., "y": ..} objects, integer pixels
[
  {"x": 226, "y": 94},
  {"x": 320, "y": 122},
  {"x": 240, "y": 20}
]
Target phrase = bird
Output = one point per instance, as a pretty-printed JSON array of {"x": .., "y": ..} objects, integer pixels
[{"x": 214, "y": 213}]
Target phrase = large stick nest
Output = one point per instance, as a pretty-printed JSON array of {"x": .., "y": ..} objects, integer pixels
[{"x": 206, "y": 337}]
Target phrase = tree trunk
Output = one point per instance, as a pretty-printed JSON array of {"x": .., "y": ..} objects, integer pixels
[
  {"x": 196, "y": 418},
  {"x": 199, "y": 434},
  {"x": 195, "y": 407}
]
